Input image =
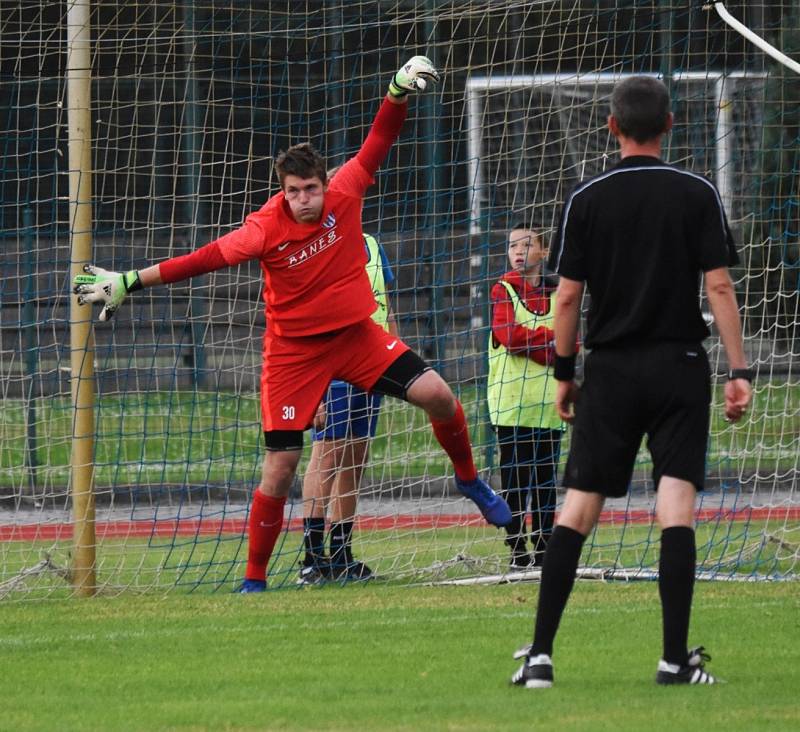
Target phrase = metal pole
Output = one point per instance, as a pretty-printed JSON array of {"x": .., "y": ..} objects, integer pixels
[
  {"x": 433, "y": 161},
  {"x": 29, "y": 341},
  {"x": 192, "y": 158},
  {"x": 81, "y": 340}
]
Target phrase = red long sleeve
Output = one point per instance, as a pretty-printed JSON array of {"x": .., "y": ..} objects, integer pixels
[
  {"x": 200, "y": 261},
  {"x": 384, "y": 131},
  {"x": 535, "y": 343}
]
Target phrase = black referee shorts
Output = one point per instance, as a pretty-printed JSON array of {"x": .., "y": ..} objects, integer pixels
[{"x": 661, "y": 390}]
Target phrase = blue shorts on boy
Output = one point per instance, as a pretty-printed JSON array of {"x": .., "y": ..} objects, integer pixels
[{"x": 350, "y": 413}]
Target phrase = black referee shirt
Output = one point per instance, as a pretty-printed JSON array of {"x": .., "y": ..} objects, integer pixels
[{"x": 639, "y": 235}]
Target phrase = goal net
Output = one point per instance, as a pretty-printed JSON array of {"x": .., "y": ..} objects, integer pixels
[{"x": 191, "y": 102}]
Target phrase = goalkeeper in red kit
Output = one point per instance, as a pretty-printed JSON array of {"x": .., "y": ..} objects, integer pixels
[{"x": 309, "y": 241}]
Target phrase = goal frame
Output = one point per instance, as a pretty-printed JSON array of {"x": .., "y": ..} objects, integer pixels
[{"x": 476, "y": 85}]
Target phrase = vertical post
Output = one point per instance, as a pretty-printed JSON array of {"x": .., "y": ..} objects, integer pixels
[
  {"x": 81, "y": 339},
  {"x": 483, "y": 340},
  {"x": 724, "y": 143},
  {"x": 29, "y": 345},
  {"x": 474, "y": 156},
  {"x": 191, "y": 164},
  {"x": 666, "y": 21},
  {"x": 433, "y": 164},
  {"x": 480, "y": 260}
]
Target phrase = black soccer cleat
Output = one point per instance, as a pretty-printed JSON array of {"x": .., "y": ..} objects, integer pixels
[
  {"x": 536, "y": 672},
  {"x": 316, "y": 571},
  {"x": 520, "y": 561},
  {"x": 354, "y": 571},
  {"x": 692, "y": 672}
]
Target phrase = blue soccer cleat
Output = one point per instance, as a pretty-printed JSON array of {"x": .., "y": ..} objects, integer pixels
[
  {"x": 251, "y": 585},
  {"x": 494, "y": 508}
]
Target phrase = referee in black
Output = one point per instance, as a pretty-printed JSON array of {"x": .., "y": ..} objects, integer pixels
[{"x": 639, "y": 236}]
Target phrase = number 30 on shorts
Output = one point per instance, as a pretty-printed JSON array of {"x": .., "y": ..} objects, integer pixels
[{"x": 288, "y": 412}]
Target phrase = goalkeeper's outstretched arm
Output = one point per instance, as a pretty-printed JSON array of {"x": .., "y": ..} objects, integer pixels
[
  {"x": 110, "y": 289},
  {"x": 414, "y": 75}
]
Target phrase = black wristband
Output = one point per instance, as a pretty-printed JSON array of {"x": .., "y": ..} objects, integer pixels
[
  {"x": 564, "y": 368},
  {"x": 747, "y": 374},
  {"x": 395, "y": 90},
  {"x": 131, "y": 281}
]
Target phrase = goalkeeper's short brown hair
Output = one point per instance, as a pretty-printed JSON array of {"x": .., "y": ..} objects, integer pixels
[{"x": 302, "y": 160}]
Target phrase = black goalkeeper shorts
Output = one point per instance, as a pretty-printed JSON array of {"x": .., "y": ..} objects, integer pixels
[{"x": 661, "y": 390}]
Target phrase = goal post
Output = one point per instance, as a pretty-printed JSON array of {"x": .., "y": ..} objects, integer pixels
[
  {"x": 82, "y": 570},
  {"x": 593, "y": 91},
  {"x": 533, "y": 137},
  {"x": 186, "y": 105}
]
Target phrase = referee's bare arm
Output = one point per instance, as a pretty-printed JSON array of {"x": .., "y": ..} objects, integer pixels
[
  {"x": 565, "y": 326},
  {"x": 722, "y": 300}
]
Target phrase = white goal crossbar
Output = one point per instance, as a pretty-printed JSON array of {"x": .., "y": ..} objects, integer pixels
[{"x": 477, "y": 85}]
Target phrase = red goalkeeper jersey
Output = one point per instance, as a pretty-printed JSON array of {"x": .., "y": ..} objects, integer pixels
[{"x": 314, "y": 274}]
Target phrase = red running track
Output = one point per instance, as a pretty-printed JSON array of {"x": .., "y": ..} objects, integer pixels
[{"x": 214, "y": 526}]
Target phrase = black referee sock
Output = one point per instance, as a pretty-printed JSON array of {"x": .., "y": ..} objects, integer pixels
[
  {"x": 676, "y": 568},
  {"x": 340, "y": 537},
  {"x": 313, "y": 540},
  {"x": 558, "y": 577}
]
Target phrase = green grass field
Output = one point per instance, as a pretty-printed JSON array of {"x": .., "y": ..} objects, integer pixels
[
  {"x": 215, "y": 563},
  {"x": 200, "y": 438},
  {"x": 384, "y": 656},
  {"x": 379, "y": 657}
]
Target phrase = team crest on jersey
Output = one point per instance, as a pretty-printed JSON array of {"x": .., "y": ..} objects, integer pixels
[{"x": 330, "y": 221}]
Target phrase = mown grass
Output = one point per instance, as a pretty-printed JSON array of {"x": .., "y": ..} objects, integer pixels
[
  {"x": 199, "y": 438},
  {"x": 214, "y": 563},
  {"x": 381, "y": 657}
]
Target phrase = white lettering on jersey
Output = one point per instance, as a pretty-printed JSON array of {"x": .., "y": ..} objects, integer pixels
[{"x": 326, "y": 241}]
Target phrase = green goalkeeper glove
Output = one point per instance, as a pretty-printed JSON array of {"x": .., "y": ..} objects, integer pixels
[
  {"x": 109, "y": 288},
  {"x": 412, "y": 76}
]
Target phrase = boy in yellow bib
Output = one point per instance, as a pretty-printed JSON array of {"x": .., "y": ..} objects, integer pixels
[{"x": 521, "y": 395}]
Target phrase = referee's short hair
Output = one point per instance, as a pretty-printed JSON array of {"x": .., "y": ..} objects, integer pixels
[{"x": 641, "y": 105}]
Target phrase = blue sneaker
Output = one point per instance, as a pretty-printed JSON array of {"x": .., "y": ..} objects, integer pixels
[
  {"x": 250, "y": 585},
  {"x": 494, "y": 508}
]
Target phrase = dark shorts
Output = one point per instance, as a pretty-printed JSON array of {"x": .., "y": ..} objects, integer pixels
[
  {"x": 662, "y": 391},
  {"x": 350, "y": 413}
]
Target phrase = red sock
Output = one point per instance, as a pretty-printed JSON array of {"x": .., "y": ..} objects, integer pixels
[
  {"x": 453, "y": 436},
  {"x": 266, "y": 521}
]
